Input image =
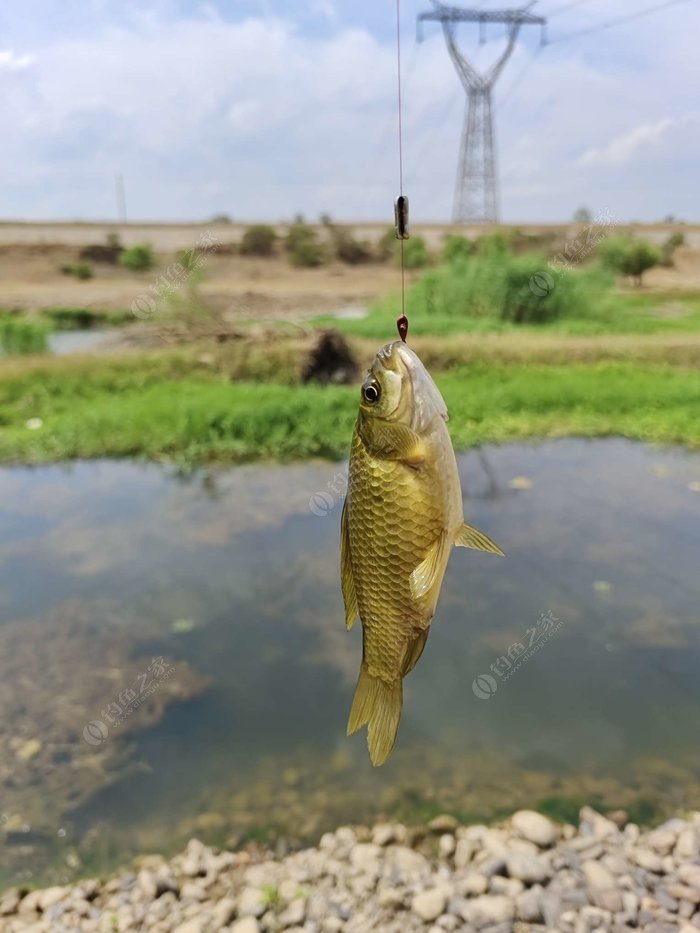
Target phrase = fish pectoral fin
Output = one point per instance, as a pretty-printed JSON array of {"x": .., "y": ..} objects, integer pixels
[
  {"x": 427, "y": 572},
  {"x": 392, "y": 441},
  {"x": 468, "y": 536},
  {"x": 346, "y": 579}
]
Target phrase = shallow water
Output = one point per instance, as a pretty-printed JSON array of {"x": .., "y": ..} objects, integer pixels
[
  {"x": 61, "y": 342},
  {"x": 233, "y": 576}
]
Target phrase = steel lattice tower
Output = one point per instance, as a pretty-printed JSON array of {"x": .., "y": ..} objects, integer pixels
[{"x": 476, "y": 193}]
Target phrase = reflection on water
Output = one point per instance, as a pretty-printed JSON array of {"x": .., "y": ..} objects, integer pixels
[{"x": 233, "y": 578}]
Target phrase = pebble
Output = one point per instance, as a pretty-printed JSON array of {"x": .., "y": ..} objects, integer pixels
[
  {"x": 489, "y": 909},
  {"x": 295, "y": 914},
  {"x": 251, "y": 902},
  {"x": 447, "y": 845},
  {"x": 526, "y": 873},
  {"x": 530, "y": 869},
  {"x": 534, "y": 827},
  {"x": 429, "y": 905},
  {"x": 246, "y": 925}
]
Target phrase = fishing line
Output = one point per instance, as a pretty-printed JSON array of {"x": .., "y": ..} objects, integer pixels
[{"x": 401, "y": 203}]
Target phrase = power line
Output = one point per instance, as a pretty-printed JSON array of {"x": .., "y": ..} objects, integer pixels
[
  {"x": 516, "y": 84},
  {"x": 616, "y": 22},
  {"x": 567, "y": 6}
]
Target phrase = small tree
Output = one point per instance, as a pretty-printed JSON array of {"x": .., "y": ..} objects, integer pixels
[
  {"x": 629, "y": 256},
  {"x": 350, "y": 250},
  {"x": 258, "y": 240},
  {"x": 669, "y": 247},
  {"x": 415, "y": 253},
  {"x": 582, "y": 216},
  {"x": 456, "y": 247},
  {"x": 386, "y": 245},
  {"x": 137, "y": 258},
  {"x": 302, "y": 246}
]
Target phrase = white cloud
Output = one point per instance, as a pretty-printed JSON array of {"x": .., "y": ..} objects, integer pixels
[
  {"x": 622, "y": 148},
  {"x": 13, "y": 62},
  {"x": 259, "y": 118}
]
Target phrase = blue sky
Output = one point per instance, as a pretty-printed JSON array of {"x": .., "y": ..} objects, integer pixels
[{"x": 265, "y": 108}]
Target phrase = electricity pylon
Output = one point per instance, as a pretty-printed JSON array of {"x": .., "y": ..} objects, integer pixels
[{"x": 476, "y": 192}]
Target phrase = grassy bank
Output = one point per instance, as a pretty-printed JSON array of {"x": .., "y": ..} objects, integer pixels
[{"x": 172, "y": 407}]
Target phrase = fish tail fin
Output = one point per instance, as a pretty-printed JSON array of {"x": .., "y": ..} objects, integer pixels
[{"x": 378, "y": 704}]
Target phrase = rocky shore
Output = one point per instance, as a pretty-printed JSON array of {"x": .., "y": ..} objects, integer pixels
[{"x": 525, "y": 874}]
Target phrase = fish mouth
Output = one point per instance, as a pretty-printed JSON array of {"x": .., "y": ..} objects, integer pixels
[{"x": 427, "y": 399}]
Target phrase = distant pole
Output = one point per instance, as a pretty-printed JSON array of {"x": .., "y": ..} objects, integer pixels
[
  {"x": 121, "y": 197},
  {"x": 476, "y": 191}
]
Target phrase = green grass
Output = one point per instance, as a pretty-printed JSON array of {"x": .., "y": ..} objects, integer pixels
[
  {"x": 20, "y": 335},
  {"x": 85, "y": 318},
  {"x": 614, "y": 313},
  {"x": 167, "y": 409}
]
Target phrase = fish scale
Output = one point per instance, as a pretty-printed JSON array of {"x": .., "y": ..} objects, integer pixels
[
  {"x": 402, "y": 515},
  {"x": 393, "y": 519}
]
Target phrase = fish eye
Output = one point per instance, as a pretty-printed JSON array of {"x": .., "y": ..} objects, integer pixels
[{"x": 370, "y": 392}]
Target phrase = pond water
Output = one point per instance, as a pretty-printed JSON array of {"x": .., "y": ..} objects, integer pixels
[
  {"x": 61, "y": 342},
  {"x": 228, "y": 582}
]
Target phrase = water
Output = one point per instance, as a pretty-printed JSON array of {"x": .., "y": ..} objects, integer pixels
[
  {"x": 231, "y": 578},
  {"x": 61, "y": 342}
]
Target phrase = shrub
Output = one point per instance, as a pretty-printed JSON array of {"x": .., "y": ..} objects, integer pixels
[
  {"x": 258, "y": 240},
  {"x": 492, "y": 244},
  {"x": 415, "y": 253},
  {"x": 534, "y": 295},
  {"x": 81, "y": 270},
  {"x": 582, "y": 216},
  {"x": 221, "y": 219},
  {"x": 20, "y": 336},
  {"x": 101, "y": 252},
  {"x": 669, "y": 247},
  {"x": 302, "y": 246},
  {"x": 629, "y": 256},
  {"x": 455, "y": 246},
  {"x": 70, "y": 318},
  {"x": 519, "y": 289},
  {"x": 137, "y": 258},
  {"x": 188, "y": 259},
  {"x": 386, "y": 245},
  {"x": 348, "y": 249}
]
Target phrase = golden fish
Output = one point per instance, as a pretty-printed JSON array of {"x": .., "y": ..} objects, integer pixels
[{"x": 401, "y": 518}]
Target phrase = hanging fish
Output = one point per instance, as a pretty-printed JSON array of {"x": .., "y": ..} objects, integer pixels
[{"x": 401, "y": 518}]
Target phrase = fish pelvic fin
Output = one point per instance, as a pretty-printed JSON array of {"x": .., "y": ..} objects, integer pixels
[
  {"x": 414, "y": 651},
  {"x": 468, "y": 536},
  {"x": 377, "y": 704}
]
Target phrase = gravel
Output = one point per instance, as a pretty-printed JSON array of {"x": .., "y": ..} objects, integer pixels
[{"x": 528, "y": 873}]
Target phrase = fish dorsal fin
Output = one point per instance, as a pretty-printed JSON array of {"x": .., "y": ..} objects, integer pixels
[
  {"x": 346, "y": 578},
  {"x": 468, "y": 536},
  {"x": 427, "y": 572}
]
